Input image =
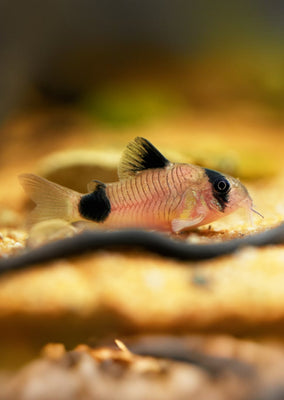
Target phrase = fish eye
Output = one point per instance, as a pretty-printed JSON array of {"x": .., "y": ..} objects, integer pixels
[{"x": 221, "y": 185}]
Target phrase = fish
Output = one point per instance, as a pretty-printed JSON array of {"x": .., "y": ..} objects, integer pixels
[{"x": 151, "y": 193}]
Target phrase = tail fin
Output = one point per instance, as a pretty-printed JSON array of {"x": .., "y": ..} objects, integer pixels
[{"x": 53, "y": 201}]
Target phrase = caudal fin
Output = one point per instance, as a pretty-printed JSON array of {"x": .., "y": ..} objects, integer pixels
[{"x": 52, "y": 201}]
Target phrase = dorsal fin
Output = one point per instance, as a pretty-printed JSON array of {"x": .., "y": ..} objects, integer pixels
[{"x": 139, "y": 155}]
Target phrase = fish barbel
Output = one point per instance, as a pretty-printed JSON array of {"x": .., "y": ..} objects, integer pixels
[{"x": 151, "y": 193}]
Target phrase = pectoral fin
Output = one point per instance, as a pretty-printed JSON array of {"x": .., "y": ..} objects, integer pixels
[
  {"x": 187, "y": 216},
  {"x": 179, "y": 225}
]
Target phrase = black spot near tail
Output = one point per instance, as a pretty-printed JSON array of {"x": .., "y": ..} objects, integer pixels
[{"x": 95, "y": 206}]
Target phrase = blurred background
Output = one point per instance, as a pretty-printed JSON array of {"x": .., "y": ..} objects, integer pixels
[{"x": 124, "y": 61}]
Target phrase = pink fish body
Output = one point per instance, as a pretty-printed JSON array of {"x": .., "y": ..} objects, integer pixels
[{"x": 152, "y": 193}]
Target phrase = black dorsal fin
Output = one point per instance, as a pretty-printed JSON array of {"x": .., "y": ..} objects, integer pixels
[
  {"x": 139, "y": 155},
  {"x": 95, "y": 206}
]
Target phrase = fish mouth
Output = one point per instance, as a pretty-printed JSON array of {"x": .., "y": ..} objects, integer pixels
[
  {"x": 247, "y": 204},
  {"x": 256, "y": 212},
  {"x": 250, "y": 212}
]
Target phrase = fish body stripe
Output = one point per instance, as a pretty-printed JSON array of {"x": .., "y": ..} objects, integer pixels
[{"x": 148, "y": 198}]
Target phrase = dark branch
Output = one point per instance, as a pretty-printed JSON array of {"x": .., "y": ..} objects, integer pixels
[{"x": 91, "y": 241}]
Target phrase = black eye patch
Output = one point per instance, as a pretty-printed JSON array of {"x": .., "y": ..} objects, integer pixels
[{"x": 220, "y": 187}]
